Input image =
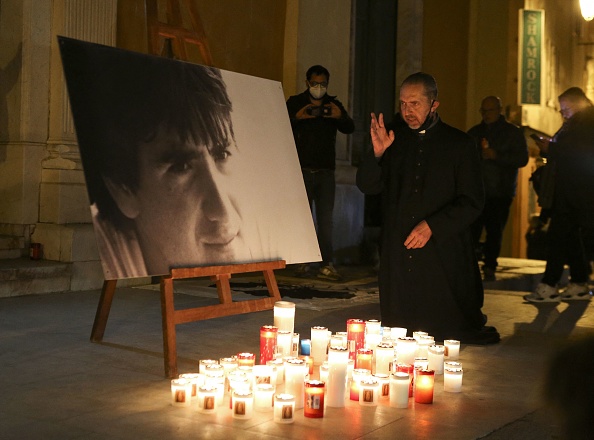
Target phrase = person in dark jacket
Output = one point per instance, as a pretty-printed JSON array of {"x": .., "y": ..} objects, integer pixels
[
  {"x": 429, "y": 176},
  {"x": 503, "y": 150},
  {"x": 315, "y": 118}
]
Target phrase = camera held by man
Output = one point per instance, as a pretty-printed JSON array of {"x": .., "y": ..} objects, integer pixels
[{"x": 319, "y": 111}]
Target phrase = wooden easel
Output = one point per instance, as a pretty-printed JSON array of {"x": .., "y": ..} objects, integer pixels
[{"x": 171, "y": 317}]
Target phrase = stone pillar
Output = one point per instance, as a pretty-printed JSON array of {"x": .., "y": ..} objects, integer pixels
[{"x": 64, "y": 227}]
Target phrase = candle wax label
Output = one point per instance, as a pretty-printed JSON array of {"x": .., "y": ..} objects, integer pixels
[
  {"x": 368, "y": 396},
  {"x": 287, "y": 412},
  {"x": 239, "y": 407},
  {"x": 385, "y": 389},
  {"x": 313, "y": 402},
  {"x": 180, "y": 396},
  {"x": 209, "y": 402},
  {"x": 445, "y": 350}
]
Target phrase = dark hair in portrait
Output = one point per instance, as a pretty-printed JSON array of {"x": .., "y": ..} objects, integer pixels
[{"x": 426, "y": 80}]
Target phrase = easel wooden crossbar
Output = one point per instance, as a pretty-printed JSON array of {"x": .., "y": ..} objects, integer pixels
[{"x": 221, "y": 275}]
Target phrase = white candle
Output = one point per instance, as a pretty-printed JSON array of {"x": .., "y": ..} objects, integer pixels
[
  {"x": 264, "y": 397},
  {"x": 338, "y": 340},
  {"x": 418, "y": 334},
  {"x": 368, "y": 392},
  {"x": 284, "y": 315},
  {"x": 337, "y": 376},
  {"x": 295, "y": 372},
  {"x": 295, "y": 345},
  {"x": 452, "y": 349},
  {"x": 398, "y": 332},
  {"x": 435, "y": 357},
  {"x": 229, "y": 364},
  {"x": 284, "y": 408},
  {"x": 324, "y": 372},
  {"x": 384, "y": 356},
  {"x": 238, "y": 380},
  {"x": 243, "y": 405},
  {"x": 320, "y": 337},
  {"x": 262, "y": 374},
  {"x": 214, "y": 375},
  {"x": 207, "y": 399},
  {"x": 373, "y": 326},
  {"x": 345, "y": 339},
  {"x": 279, "y": 370},
  {"x": 181, "y": 392},
  {"x": 196, "y": 379},
  {"x": 452, "y": 380},
  {"x": 204, "y": 362},
  {"x": 384, "y": 384},
  {"x": 284, "y": 342},
  {"x": 424, "y": 342},
  {"x": 406, "y": 348},
  {"x": 399, "y": 388}
]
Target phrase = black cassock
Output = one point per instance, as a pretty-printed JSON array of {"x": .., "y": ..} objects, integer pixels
[{"x": 434, "y": 177}]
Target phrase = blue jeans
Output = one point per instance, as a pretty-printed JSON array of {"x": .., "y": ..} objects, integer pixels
[{"x": 320, "y": 186}]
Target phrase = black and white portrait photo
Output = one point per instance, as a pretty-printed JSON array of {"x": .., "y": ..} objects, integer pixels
[{"x": 185, "y": 165}]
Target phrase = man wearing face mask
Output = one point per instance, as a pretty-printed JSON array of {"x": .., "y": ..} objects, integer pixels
[
  {"x": 315, "y": 118},
  {"x": 428, "y": 174}
]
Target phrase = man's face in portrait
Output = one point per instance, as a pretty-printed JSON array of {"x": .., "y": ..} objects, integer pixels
[
  {"x": 183, "y": 208},
  {"x": 415, "y": 105}
]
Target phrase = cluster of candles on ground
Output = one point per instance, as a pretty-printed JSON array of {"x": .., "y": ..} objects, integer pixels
[{"x": 368, "y": 363}]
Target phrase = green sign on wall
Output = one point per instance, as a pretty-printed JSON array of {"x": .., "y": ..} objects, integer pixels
[{"x": 530, "y": 59}]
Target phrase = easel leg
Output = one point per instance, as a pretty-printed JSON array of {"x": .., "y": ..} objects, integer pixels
[
  {"x": 168, "y": 320},
  {"x": 272, "y": 284},
  {"x": 103, "y": 309}
]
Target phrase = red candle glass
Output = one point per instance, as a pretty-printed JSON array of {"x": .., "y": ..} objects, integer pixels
[
  {"x": 246, "y": 359},
  {"x": 267, "y": 343},
  {"x": 424, "y": 384},
  {"x": 364, "y": 359},
  {"x": 314, "y": 399},
  {"x": 355, "y": 336},
  {"x": 410, "y": 369}
]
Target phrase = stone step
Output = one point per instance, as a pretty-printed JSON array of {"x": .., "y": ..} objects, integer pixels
[
  {"x": 11, "y": 246},
  {"x": 22, "y": 276}
]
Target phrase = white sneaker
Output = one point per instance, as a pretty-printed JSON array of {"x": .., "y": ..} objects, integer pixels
[
  {"x": 543, "y": 293},
  {"x": 576, "y": 291}
]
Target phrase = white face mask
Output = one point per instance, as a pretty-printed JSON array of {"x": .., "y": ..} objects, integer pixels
[{"x": 317, "y": 92}]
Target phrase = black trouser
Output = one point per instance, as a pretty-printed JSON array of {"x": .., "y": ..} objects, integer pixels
[{"x": 493, "y": 219}]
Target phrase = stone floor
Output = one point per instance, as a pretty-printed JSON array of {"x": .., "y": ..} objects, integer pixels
[{"x": 55, "y": 384}]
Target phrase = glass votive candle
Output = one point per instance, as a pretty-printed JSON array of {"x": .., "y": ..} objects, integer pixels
[
  {"x": 284, "y": 408},
  {"x": 410, "y": 369},
  {"x": 364, "y": 359},
  {"x": 305, "y": 347},
  {"x": 196, "y": 379},
  {"x": 320, "y": 337},
  {"x": 345, "y": 339},
  {"x": 324, "y": 372},
  {"x": 337, "y": 340},
  {"x": 295, "y": 373},
  {"x": 373, "y": 326},
  {"x": 452, "y": 380},
  {"x": 262, "y": 374},
  {"x": 369, "y": 392},
  {"x": 355, "y": 336},
  {"x": 295, "y": 345},
  {"x": 279, "y": 370},
  {"x": 284, "y": 315},
  {"x": 246, "y": 359},
  {"x": 314, "y": 399},
  {"x": 452, "y": 364},
  {"x": 384, "y": 384},
  {"x": 424, "y": 384},
  {"x": 418, "y": 334},
  {"x": 358, "y": 375},
  {"x": 399, "y": 389},
  {"x": 243, "y": 405},
  {"x": 238, "y": 381},
  {"x": 284, "y": 343},
  {"x": 207, "y": 399},
  {"x": 452, "y": 349},
  {"x": 435, "y": 355},
  {"x": 181, "y": 392},
  {"x": 204, "y": 362},
  {"x": 384, "y": 356},
  {"x": 406, "y": 349},
  {"x": 398, "y": 332},
  {"x": 424, "y": 342},
  {"x": 309, "y": 361},
  {"x": 264, "y": 397},
  {"x": 267, "y": 343},
  {"x": 214, "y": 375}
]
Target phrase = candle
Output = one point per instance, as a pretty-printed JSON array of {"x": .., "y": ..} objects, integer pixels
[
  {"x": 267, "y": 343},
  {"x": 452, "y": 380},
  {"x": 337, "y": 376},
  {"x": 355, "y": 336},
  {"x": 364, "y": 359},
  {"x": 314, "y": 399},
  {"x": 229, "y": 364},
  {"x": 284, "y": 343},
  {"x": 384, "y": 384},
  {"x": 284, "y": 407},
  {"x": 238, "y": 381},
  {"x": 306, "y": 347},
  {"x": 384, "y": 356},
  {"x": 406, "y": 348},
  {"x": 398, "y": 332},
  {"x": 207, "y": 399},
  {"x": 204, "y": 362},
  {"x": 399, "y": 389},
  {"x": 435, "y": 356},
  {"x": 424, "y": 342},
  {"x": 243, "y": 405},
  {"x": 264, "y": 397},
  {"x": 418, "y": 334},
  {"x": 295, "y": 372},
  {"x": 295, "y": 345},
  {"x": 345, "y": 339},
  {"x": 373, "y": 326},
  {"x": 196, "y": 379},
  {"x": 262, "y": 374},
  {"x": 424, "y": 383},
  {"x": 309, "y": 361},
  {"x": 324, "y": 372},
  {"x": 368, "y": 392},
  {"x": 452, "y": 349},
  {"x": 181, "y": 392},
  {"x": 279, "y": 370},
  {"x": 284, "y": 315},
  {"x": 358, "y": 375},
  {"x": 246, "y": 359},
  {"x": 320, "y": 337},
  {"x": 409, "y": 369},
  {"x": 338, "y": 340},
  {"x": 214, "y": 375}
]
